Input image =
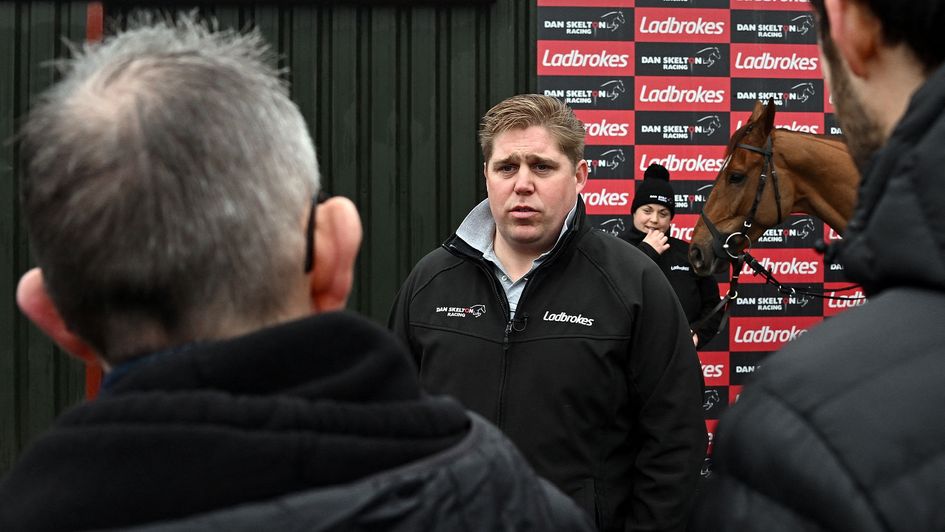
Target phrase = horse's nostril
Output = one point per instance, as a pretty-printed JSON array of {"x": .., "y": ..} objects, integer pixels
[{"x": 695, "y": 257}]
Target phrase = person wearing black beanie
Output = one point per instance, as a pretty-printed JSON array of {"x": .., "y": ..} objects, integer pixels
[{"x": 653, "y": 207}]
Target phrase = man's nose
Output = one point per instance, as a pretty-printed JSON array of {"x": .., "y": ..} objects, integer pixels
[{"x": 524, "y": 181}]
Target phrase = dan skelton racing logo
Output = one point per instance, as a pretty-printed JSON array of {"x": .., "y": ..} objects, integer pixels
[
  {"x": 660, "y": 59},
  {"x": 784, "y": 27},
  {"x": 462, "y": 312},
  {"x": 585, "y": 23}
]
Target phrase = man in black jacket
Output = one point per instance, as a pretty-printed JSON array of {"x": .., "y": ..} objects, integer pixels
[
  {"x": 843, "y": 430},
  {"x": 170, "y": 201},
  {"x": 653, "y": 208},
  {"x": 570, "y": 340}
]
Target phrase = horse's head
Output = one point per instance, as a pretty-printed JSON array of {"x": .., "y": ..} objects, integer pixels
[
  {"x": 614, "y": 20},
  {"x": 804, "y": 22},
  {"x": 613, "y": 226},
  {"x": 614, "y": 157},
  {"x": 709, "y": 55},
  {"x": 735, "y": 195}
]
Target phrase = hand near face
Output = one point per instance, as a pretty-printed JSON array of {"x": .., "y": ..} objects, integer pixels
[{"x": 657, "y": 240}]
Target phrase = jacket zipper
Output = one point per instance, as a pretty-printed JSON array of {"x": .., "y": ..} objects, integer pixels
[{"x": 510, "y": 322}]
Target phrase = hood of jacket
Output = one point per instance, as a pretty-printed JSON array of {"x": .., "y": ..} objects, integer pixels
[
  {"x": 897, "y": 234},
  {"x": 313, "y": 403}
]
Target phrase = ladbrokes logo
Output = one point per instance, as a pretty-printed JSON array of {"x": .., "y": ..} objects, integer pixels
[
  {"x": 682, "y": 58},
  {"x": 775, "y": 61},
  {"x": 682, "y": 225},
  {"x": 681, "y": 128},
  {"x": 462, "y": 312},
  {"x": 681, "y": 93},
  {"x": 607, "y": 196},
  {"x": 683, "y": 162},
  {"x": 840, "y": 300},
  {"x": 801, "y": 122},
  {"x": 767, "y": 333},
  {"x": 714, "y": 368},
  {"x": 607, "y": 127},
  {"x": 690, "y": 25},
  {"x": 600, "y": 58},
  {"x": 787, "y": 265},
  {"x": 786, "y": 28},
  {"x": 584, "y": 23},
  {"x": 564, "y": 317}
]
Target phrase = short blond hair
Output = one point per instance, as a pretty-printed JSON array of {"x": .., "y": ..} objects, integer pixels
[{"x": 525, "y": 110}]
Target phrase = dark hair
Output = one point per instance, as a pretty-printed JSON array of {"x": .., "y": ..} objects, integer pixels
[
  {"x": 167, "y": 176},
  {"x": 918, "y": 24}
]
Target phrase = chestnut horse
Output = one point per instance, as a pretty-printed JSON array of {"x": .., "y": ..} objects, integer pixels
[{"x": 769, "y": 173}]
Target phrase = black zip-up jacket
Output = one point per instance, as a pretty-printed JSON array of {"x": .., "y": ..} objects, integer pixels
[
  {"x": 317, "y": 424},
  {"x": 697, "y": 295},
  {"x": 596, "y": 380},
  {"x": 843, "y": 429}
]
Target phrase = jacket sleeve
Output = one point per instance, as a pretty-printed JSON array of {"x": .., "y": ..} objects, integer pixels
[
  {"x": 773, "y": 471},
  {"x": 398, "y": 321},
  {"x": 709, "y": 298},
  {"x": 666, "y": 378},
  {"x": 649, "y": 251}
]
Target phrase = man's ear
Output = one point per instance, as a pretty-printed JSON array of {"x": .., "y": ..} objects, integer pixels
[
  {"x": 581, "y": 174},
  {"x": 35, "y": 303},
  {"x": 337, "y": 240},
  {"x": 856, "y": 33}
]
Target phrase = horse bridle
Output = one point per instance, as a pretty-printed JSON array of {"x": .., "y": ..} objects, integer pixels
[{"x": 722, "y": 246}]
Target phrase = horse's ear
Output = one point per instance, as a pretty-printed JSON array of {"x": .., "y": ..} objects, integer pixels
[
  {"x": 768, "y": 114},
  {"x": 757, "y": 112}
]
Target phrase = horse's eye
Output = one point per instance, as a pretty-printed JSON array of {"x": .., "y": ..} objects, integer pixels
[{"x": 736, "y": 178}]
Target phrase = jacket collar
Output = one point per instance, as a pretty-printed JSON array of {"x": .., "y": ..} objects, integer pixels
[{"x": 475, "y": 234}]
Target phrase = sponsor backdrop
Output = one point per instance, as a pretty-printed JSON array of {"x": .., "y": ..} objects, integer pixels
[{"x": 669, "y": 81}]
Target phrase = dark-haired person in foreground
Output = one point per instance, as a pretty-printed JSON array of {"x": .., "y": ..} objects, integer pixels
[
  {"x": 653, "y": 208},
  {"x": 170, "y": 200},
  {"x": 843, "y": 429},
  {"x": 569, "y": 339}
]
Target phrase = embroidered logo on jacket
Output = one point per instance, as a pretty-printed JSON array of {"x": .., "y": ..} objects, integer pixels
[
  {"x": 679, "y": 268},
  {"x": 564, "y": 317},
  {"x": 461, "y": 312}
]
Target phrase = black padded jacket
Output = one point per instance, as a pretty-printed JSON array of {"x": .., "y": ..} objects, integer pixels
[
  {"x": 843, "y": 429},
  {"x": 596, "y": 380}
]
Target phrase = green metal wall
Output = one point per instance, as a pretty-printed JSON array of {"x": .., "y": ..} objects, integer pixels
[
  {"x": 392, "y": 94},
  {"x": 36, "y": 380}
]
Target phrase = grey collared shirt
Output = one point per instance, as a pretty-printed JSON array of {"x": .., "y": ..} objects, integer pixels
[{"x": 478, "y": 230}]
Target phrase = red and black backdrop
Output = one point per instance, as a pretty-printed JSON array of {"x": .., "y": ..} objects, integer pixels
[{"x": 669, "y": 81}]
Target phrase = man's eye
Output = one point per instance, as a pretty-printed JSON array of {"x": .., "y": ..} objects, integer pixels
[
  {"x": 506, "y": 168},
  {"x": 542, "y": 167}
]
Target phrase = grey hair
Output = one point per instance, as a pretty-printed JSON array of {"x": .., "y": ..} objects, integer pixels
[{"x": 168, "y": 178}]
